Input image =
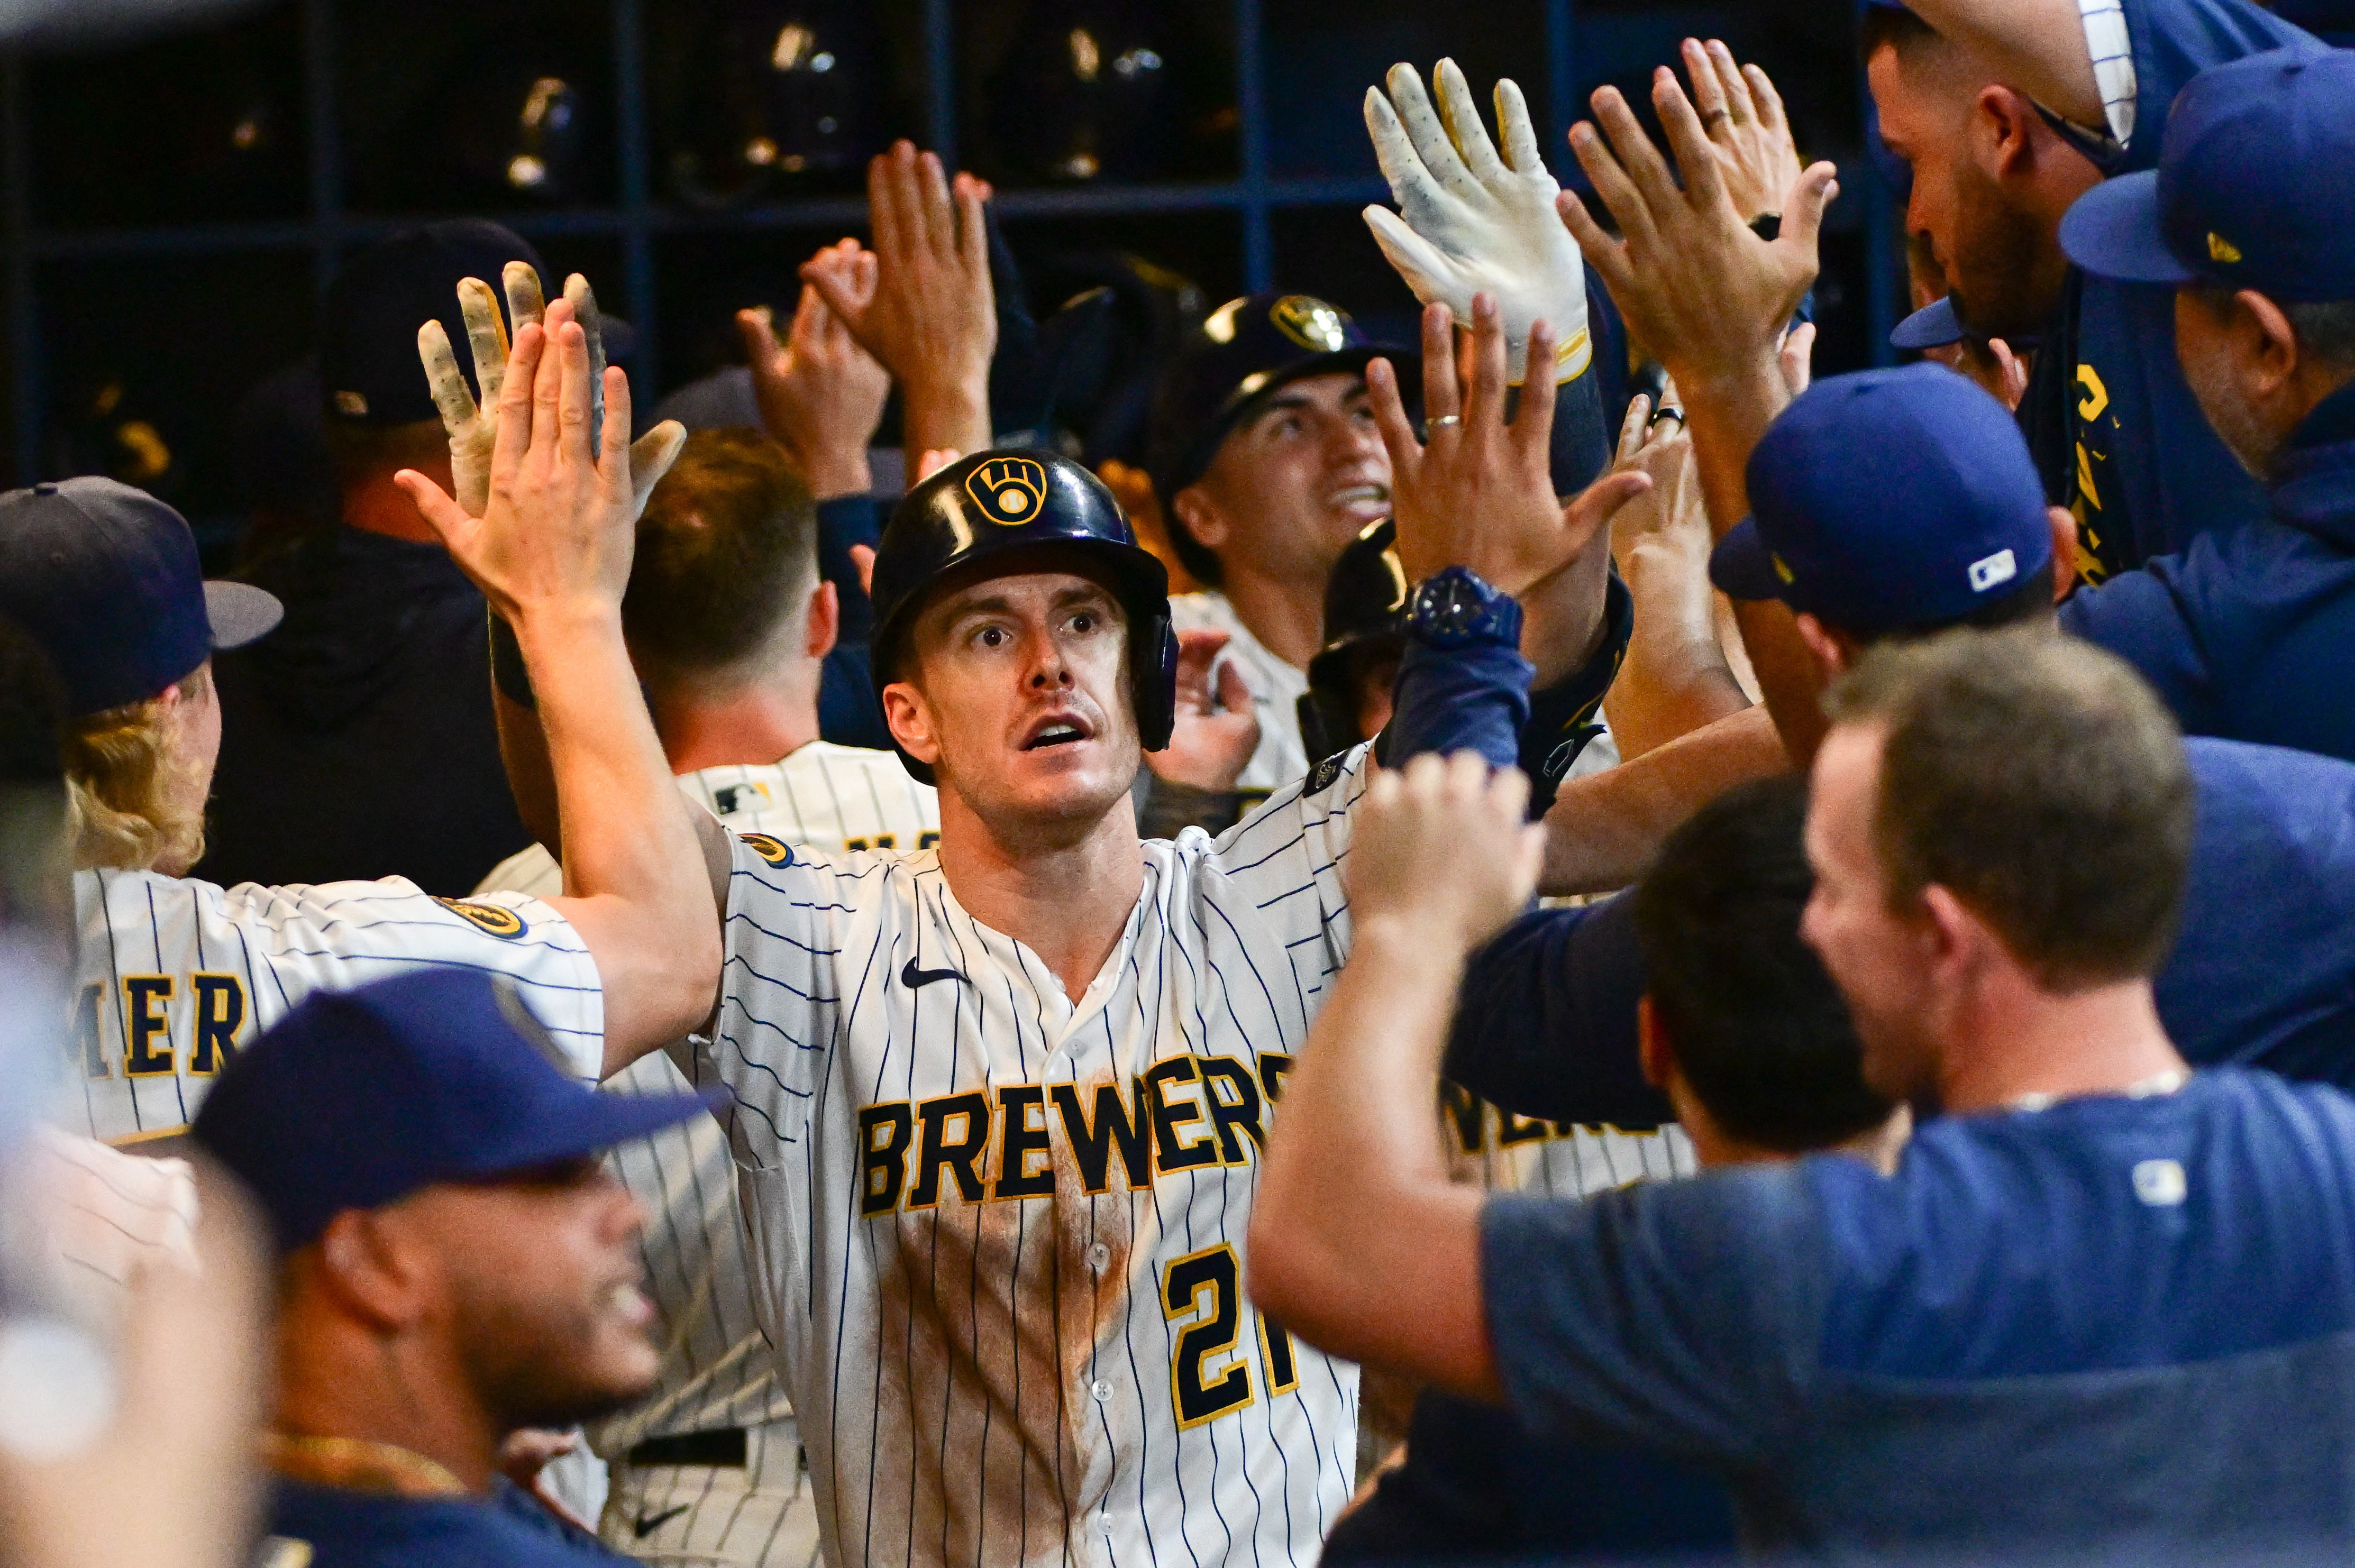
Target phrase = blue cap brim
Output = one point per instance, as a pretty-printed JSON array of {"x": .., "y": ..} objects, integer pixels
[
  {"x": 1741, "y": 567},
  {"x": 240, "y": 613},
  {"x": 2113, "y": 231},
  {"x": 593, "y": 1124},
  {"x": 1934, "y": 325}
]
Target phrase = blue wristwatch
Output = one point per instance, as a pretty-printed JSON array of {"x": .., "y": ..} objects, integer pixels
[{"x": 1454, "y": 608}]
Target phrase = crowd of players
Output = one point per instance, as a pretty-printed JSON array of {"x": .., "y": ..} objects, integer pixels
[{"x": 934, "y": 1048}]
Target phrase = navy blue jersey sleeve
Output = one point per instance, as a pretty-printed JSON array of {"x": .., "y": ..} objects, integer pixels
[
  {"x": 1460, "y": 699},
  {"x": 2175, "y": 40},
  {"x": 1545, "y": 1024},
  {"x": 1682, "y": 1315},
  {"x": 845, "y": 521},
  {"x": 847, "y": 712},
  {"x": 2147, "y": 617}
]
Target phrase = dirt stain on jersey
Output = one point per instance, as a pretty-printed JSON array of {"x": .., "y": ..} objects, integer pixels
[{"x": 993, "y": 1322}]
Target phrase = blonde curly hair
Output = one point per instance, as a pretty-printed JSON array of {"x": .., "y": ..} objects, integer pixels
[{"x": 121, "y": 766}]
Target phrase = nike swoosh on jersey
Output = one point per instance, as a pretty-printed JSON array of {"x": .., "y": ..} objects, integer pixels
[
  {"x": 645, "y": 1527},
  {"x": 911, "y": 977}
]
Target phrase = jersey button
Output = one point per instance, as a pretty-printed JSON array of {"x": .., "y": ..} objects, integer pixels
[
  {"x": 1098, "y": 1255},
  {"x": 1100, "y": 1390}
]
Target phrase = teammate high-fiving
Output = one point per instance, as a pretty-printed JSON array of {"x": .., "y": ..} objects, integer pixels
[{"x": 174, "y": 975}]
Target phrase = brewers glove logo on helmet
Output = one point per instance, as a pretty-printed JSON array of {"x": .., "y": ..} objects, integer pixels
[{"x": 1008, "y": 490}]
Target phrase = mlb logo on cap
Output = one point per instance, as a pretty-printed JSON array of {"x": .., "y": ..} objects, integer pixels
[{"x": 1889, "y": 501}]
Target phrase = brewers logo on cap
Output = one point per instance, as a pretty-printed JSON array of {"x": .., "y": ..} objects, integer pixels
[
  {"x": 1010, "y": 488},
  {"x": 1311, "y": 322},
  {"x": 2222, "y": 250}
]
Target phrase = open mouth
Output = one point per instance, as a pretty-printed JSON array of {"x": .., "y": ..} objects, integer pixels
[
  {"x": 1055, "y": 732},
  {"x": 1363, "y": 498}
]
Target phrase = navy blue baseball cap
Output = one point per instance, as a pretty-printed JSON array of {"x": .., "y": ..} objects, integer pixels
[
  {"x": 1934, "y": 325},
  {"x": 2252, "y": 188},
  {"x": 1243, "y": 352},
  {"x": 106, "y": 578},
  {"x": 358, "y": 1098},
  {"x": 1889, "y": 499}
]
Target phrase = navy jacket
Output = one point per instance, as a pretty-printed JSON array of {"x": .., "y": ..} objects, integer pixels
[
  {"x": 2115, "y": 431},
  {"x": 2246, "y": 633}
]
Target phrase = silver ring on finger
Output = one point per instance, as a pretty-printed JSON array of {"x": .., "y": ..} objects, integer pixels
[{"x": 1446, "y": 419}]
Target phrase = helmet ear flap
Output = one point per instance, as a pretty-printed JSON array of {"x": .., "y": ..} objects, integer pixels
[{"x": 1156, "y": 680}]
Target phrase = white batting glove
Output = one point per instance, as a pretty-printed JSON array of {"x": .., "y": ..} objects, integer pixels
[{"x": 1474, "y": 222}]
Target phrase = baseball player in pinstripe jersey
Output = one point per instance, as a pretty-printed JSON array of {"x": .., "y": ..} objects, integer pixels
[
  {"x": 999, "y": 1105},
  {"x": 174, "y": 975},
  {"x": 728, "y": 624}
]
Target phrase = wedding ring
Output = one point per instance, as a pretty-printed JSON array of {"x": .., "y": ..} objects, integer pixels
[
  {"x": 1446, "y": 419},
  {"x": 1672, "y": 413}
]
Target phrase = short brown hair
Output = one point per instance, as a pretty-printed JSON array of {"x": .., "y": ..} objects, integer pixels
[
  {"x": 727, "y": 551},
  {"x": 1893, "y": 27},
  {"x": 2037, "y": 778}
]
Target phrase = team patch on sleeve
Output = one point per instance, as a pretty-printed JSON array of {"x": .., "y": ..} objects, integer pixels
[
  {"x": 776, "y": 851},
  {"x": 495, "y": 918},
  {"x": 1322, "y": 777}
]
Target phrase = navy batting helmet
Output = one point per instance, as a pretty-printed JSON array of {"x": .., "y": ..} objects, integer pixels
[
  {"x": 1365, "y": 626},
  {"x": 997, "y": 504}
]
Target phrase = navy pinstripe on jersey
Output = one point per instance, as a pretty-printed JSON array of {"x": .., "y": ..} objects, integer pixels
[
  {"x": 173, "y": 975},
  {"x": 718, "y": 1367},
  {"x": 1001, "y": 1232}
]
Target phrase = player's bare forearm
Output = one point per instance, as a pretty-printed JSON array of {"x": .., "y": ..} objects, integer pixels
[
  {"x": 951, "y": 415},
  {"x": 635, "y": 879},
  {"x": 1675, "y": 679},
  {"x": 1358, "y": 1241},
  {"x": 1604, "y": 828},
  {"x": 1729, "y": 416},
  {"x": 523, "y": 754},
  {"x": 1562, "y": 618},
  {"x": 2035, "y": 46}
]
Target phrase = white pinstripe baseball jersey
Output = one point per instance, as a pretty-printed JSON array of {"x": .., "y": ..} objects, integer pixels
[
  {"x": 1503, "y": 1152},
  {"x": 1001, "y": 1232},
  {"x": 173, "y": 975},
  {"x": 718, "y": 1371}
]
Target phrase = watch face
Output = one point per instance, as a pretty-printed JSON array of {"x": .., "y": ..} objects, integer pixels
[{"x": 1453, "y": 607}]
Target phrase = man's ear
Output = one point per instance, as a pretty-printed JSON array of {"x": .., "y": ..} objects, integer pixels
[
  {"x": 2003, "y": 131},
  {"x": 362, "y": 1260},
  {"x": 2064, "y": 551},
  {"x": 2265, "y": 337},
  {"x": 1831, "y": 657},
  {"x": 1201, "y": 516},
  {"x": 1653, "y": 1052},
  {"x": 1955, "y": 944},
  {"x": 824, "y": 621},
  {"x": 910, "y": 721}
]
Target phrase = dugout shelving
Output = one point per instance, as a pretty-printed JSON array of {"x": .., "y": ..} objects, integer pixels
[{"x": 190, "y": 256}]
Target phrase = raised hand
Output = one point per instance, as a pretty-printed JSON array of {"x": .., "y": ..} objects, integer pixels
[
  {"x": 1480, "y": 494},
  {"x": 556, "y": 532},
  {"x": 473, "y": 428},
  {"x": 1473, "y": 221},
  {"x": 1699, "y": 290},
  {"x": 1217, "y": 728},
  {"x": 821, "y": 395},
  {"x": 1743, "y": 117},
  {"x": 932, "y": 316},
  {"x": 1440, "y": 843}
]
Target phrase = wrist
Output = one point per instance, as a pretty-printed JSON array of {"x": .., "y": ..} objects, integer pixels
[
  {"x": 545, "y": 629},
  {"x": 837, "y": 474},
  {"x": 1409, "y": 934}
]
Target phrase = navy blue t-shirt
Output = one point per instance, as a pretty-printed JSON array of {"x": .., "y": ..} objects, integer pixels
[
  {"x": 2120, "y": 441},
  {"x": 508, "y": 1529},
  {"x": 2117, "y": 1324},
  {"x": 2246, "y": 632}
]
